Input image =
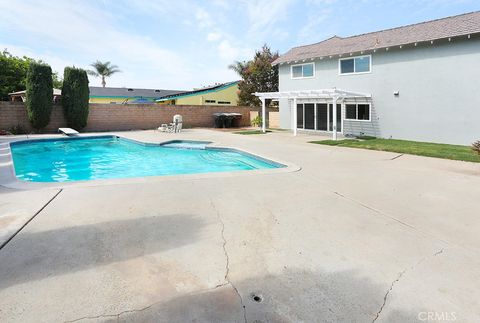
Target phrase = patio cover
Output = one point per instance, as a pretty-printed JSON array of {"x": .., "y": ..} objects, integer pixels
[{"x": 335, "y": 95}]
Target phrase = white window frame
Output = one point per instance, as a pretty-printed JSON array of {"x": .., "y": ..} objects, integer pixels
[
  {"x": 342, "y": 117},
  {"x": 353, "y": 57},
  {"x": 302, "y": 77},
  {"x": 356, "y": 113}
]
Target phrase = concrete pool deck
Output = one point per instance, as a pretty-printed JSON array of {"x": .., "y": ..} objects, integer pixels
[{"x": 355, "y": 235}]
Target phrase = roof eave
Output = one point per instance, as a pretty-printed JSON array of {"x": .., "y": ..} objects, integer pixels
[{"x": 280, "y": 61}]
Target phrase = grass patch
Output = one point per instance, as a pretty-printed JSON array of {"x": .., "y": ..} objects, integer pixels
[
  {"x": 251, "y": 132},
  {"x": 455, "y": 152}
]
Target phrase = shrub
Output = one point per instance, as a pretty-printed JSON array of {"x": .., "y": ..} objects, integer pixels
[
  {"x": 18, "y": 130},
  {"x": 363, "y": 137},
  {"x": 75, "y": 95},
  {"x": 39, "y": 94},
  {"x": 476, "y": 147},
  {"x": 257, "y": 121}
]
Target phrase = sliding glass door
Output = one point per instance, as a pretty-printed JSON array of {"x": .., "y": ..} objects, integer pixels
[
  {"x": 318, "y": 116},
  {"x": 322, "y": 117},
  {"x": 300, "y": 116},
  {"x": 309, "y": 113}
]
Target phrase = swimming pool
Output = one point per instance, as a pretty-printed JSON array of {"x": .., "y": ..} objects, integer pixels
[{"x": 107, "y": 157}]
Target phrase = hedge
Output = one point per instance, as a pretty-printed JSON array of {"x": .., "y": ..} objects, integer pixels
[
  {"x": 39, "y": 94},
  {"x": 75, "y": 96}
]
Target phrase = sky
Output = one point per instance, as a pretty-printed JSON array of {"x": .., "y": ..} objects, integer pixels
[{"x": 185, "y": 44}]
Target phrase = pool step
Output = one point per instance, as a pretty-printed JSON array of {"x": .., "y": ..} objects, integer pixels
[{"x": 5, "y": 155}]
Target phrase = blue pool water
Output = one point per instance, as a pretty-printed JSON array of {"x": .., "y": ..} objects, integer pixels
[{"x": 74, "y": 159}]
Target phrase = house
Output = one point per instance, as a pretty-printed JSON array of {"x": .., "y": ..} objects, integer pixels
[
  {"x": 21, "y": 96},
  {"x": 416, "y": 82},
  {"x": 123, "y": 95},
  {"x": 219, "y": 94}
]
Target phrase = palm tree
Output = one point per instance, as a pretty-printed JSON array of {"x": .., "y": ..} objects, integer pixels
[{"x": 104, "y": 70}]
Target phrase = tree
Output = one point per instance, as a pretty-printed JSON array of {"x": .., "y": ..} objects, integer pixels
[
  {"x": 39, "y": 94},
  {"x": 57, "y": 81},
  {"x": 258, "y": 75},
  {"x": 75, "y": 95},
  {"x": 13, "y": 74},
  {"x": 103, "y": 70}
]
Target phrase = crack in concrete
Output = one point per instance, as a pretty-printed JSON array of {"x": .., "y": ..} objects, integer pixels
[
  {"x": 398, "y": 156},
  {"x": 225, "y": 283},
  {"x": 138, "y": 310},
  {"x": 400, "y": 275},
  {"x": 392, "y": 218},
  {"x": 385, "y": 297},
  {"x": 227, "y": 261},
  {"x": 114, "y": 315},
  {"x": 31, "y": 219}
]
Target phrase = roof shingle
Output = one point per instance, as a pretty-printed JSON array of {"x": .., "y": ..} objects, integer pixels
[
  {"x": 129, "y": 92},
  {"x": 461, "y": 25}
]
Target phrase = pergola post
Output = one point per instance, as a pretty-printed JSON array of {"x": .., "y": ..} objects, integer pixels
[
  {"x": 264, "y": 122},
  {"x": 334, "y": 126},
  {"x": 294, "y": 116}
]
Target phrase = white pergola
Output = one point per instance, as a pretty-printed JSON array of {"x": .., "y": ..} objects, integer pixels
[{"x": 335, "y": 95}]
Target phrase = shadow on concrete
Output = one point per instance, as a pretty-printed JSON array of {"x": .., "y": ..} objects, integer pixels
[
  {"x": 292, "y": 296},
  {"x": 37, "y": 255}
]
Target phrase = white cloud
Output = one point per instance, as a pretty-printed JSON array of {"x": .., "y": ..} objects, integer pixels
[
  {"x": 203, "y": 18},
  {"x": 214, "y": 36},
  {"x": 90, "y": 34},
  {"x": 264, "y": 15},
  {"x": 312, "y": 30},
  {"x": 226, "y": 51},
  {"x": 57, "y": 63},
  {"x": 78, "y": 33},
  {"x": 229, "y": 48}
]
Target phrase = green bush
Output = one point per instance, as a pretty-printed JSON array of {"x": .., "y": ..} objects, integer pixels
[
  {"x": 39, "y": 94},
  {"x": 18, "y": 130},
  {"x": 257, "y": 121},
  {"x": 75, "y": 95},
  {"x": 476, "y": 147}
]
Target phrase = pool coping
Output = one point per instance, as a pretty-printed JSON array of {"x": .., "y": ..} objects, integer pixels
[{"x": 8, "y": 178}]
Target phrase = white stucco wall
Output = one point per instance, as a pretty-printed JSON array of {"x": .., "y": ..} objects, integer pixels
[{"x": 439, "y": 89}]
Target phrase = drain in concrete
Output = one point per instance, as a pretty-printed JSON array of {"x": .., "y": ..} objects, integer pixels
[{"x": 257, "y": 298}]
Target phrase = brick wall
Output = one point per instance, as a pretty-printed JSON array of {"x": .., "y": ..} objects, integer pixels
[
  {"x": 111, "y": 117},
  {"x": 14, "y": 114}
]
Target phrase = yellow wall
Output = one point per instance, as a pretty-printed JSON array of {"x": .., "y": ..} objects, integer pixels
[
  {"x": 228, "y": 94},
  {"x": 107, "y": 100}
]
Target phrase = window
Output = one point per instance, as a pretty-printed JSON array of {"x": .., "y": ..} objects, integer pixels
[
  {"x": 300, "y": 116},
  {"x": 357, "y": 112},
  {"x": 303, "y": 71},
  {"x": 355, "y": 65},
  {"x": 224, "y": 102}
]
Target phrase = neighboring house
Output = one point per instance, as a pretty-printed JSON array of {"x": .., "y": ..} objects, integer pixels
[
  {"x": 220, "y": 94},
  {"x": 21, "y": 96},
  {"x": 123, "y": 95},
  {"x": 417, "y": 82}
]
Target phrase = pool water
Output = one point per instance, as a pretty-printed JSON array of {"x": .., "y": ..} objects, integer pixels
[{"x": 107, "y": 157}]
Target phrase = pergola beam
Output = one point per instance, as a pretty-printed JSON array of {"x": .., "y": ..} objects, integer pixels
[{"x": 308, "y": 94}]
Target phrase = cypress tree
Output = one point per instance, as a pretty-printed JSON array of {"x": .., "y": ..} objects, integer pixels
[
  {"x": 75, "y": 95},
  {"x": 39, "y": 94}
]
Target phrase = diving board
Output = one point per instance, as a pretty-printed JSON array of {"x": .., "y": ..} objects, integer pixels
[{"x": 68, "y": 131}]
